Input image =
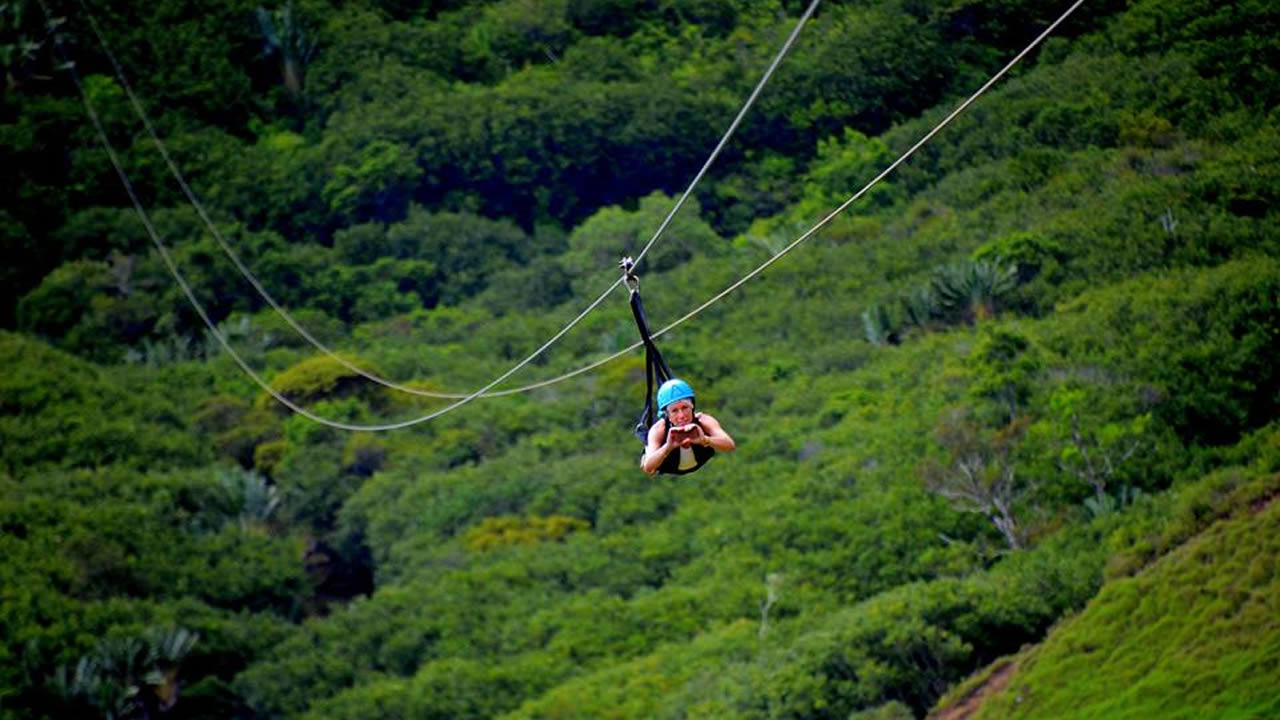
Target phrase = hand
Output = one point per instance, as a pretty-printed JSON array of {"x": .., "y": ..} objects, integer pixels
[
  {"x": 689, "y": 435},
  {"x": 675, "y": 436},
  {"x": 701, "y": 437}
]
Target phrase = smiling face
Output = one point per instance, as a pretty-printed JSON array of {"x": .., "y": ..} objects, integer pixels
[{"x": 680, "y": 412}]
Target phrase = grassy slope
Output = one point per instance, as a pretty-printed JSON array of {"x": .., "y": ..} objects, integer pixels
[{"x": 1195, "y": 635}]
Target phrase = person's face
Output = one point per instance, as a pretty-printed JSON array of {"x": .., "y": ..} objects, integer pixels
[{"x": 680, "y": 412}]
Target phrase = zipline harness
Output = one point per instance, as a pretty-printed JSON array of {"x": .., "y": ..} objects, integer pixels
[{"x": 656, "y": 373}]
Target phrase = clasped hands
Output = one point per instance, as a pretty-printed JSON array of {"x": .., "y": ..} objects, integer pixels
[{"x": 687, "y": 436}]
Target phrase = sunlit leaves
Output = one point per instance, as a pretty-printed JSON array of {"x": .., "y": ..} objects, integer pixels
[{"x": 494, "y": 532}]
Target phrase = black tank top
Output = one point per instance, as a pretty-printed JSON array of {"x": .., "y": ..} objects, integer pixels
[{"x": 701, "y": 453}]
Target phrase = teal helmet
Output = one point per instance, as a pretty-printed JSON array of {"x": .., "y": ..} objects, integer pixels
[{"x": 671, "y": 391}]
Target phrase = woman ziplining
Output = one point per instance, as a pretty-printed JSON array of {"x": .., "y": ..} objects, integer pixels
[
  {"x": 682, "y": 440},
  {"x": 679, "y": 440}
]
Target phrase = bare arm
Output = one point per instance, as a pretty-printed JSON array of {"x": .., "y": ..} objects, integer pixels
[
  {"x": 656, "y": 451},
  {"x": 714, "y": 436}
]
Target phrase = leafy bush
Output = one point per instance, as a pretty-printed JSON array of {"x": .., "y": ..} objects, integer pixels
[
  {"x": 56, "y": 410},
  {"x": 323, "y": 378},
  {"x": 1204, "y": 340},
  {"x": 596, "y": 246},
  {"x": 494, "y": 532},
  {"x": 87, "y": 308},
  {"x": 238, "y": 429}
]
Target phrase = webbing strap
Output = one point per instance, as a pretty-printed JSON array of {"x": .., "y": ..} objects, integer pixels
[{"x": 655, "y": 367}]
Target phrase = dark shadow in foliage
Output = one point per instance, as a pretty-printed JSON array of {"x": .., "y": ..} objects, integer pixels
[
  {"x": 334, "y": 577},
  {"x": 237, "y": 428},
  {"x": 127, "y": 677},
  {"x": 1010, "y": 25}
]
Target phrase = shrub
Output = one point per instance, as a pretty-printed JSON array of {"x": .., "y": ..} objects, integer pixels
[
  {"x": 58, "y": 410},
  {"x": 1205, "y": 339},
  {"x": 496, "y": 532},
  {"x": 323, "y": 378}
]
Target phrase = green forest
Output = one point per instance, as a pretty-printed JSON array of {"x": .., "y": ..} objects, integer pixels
[{"x": 1007, "y": 425}]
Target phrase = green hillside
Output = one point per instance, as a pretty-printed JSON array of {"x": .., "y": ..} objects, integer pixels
[
  {"x": 1019, "y": 401},
  {"x": 1193, "y": 635}
]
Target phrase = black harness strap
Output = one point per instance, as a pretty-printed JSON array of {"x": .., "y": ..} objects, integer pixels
[{"x": 656, "y": 369}]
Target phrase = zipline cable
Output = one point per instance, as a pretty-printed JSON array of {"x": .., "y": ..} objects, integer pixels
[
  {"x": 831, "y": 216},
  {"x": 592, "y": 366},
  {"x": 901, "y": 159},
  {"x": 786, "y": 46},
  {"x": 315, "y": 342},
  {"x": 195, "y": 303}
]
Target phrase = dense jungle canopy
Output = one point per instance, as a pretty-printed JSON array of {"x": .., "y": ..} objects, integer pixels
[{"x": 1012, "y": 417}]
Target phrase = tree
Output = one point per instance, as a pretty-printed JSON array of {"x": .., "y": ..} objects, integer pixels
[
  {"x": 21, "y": 43},
  {"x": 597, "y": 244},
  {"x": 842, "y": 166},
  {"x": 1094, "y": 449},
  {"x": 1005, "y": 364},
  {"x": 1039, "y": 265},
  {"x": 980, "y": 473},
  {"x": 374, "y": 184},
  {"x": 286, "y": 40},
  {"x": 973, "y": 290},
  {"x": 128, "y": 678}
]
